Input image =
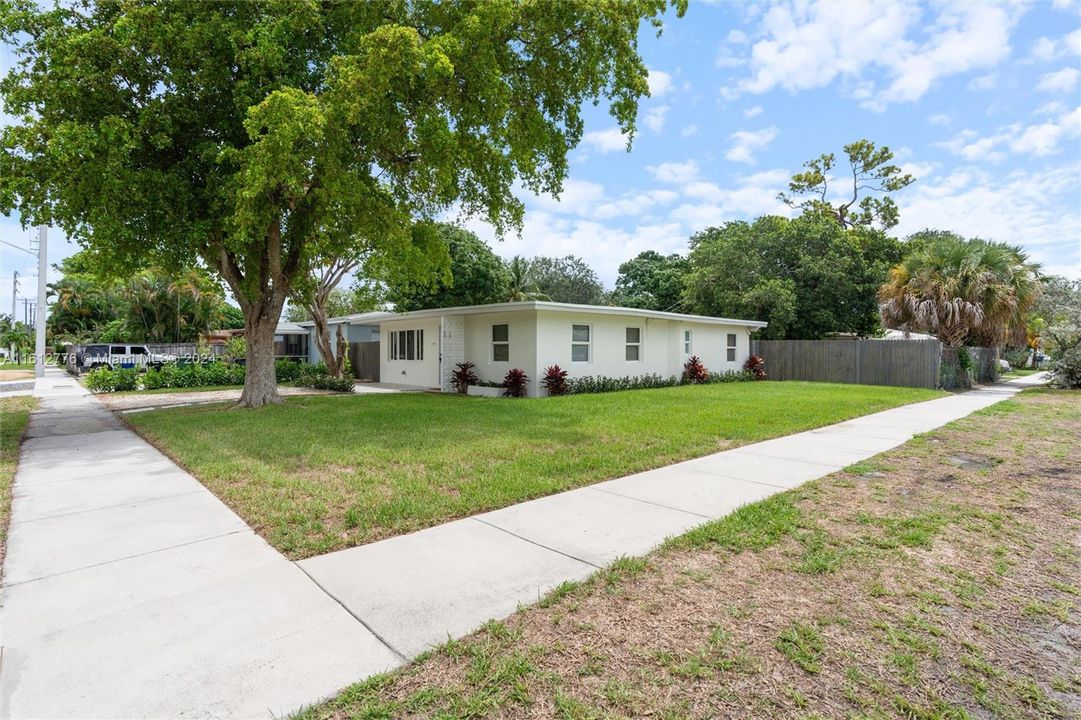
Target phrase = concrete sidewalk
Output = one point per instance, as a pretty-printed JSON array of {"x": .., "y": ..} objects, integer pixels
[{"x": 131, "y": 591}]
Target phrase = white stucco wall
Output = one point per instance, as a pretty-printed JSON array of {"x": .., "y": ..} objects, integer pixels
[
  {"x": 522, "y": 329},
  {"x": 423, "y": 373},
  {"x": 661, "y": 352},
  {"x": 539, "y": 338}
]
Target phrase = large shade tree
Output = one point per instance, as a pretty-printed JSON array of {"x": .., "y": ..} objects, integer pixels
[
  {"x": 652, "y": 281},
  {"x": 567, "y": 279},
  {"x": 476, "y": 276},
  {"x": 807, "y": 277},
  {"x": 264, "y": 137}
]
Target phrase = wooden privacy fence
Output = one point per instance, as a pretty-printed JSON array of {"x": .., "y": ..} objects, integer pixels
[
  {"x": 364, "y": 357},
  {"x": 905, "y": 363}
]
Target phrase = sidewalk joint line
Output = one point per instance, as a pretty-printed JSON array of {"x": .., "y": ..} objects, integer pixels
[
  {"x": 126, "y": 557},
  {"x": 534, "y": 542},
  {"x": 109, "y": 507},
  {"x": 651, "y": 502},
  {"x": 352, "y": 614}
]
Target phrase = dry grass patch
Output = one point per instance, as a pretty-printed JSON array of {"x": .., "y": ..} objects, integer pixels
[
  {"x": 14, "y": 416},
  {"x": 909, "y": 586}
]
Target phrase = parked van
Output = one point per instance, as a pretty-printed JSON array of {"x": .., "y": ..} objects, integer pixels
[{"x": 115, "y": 356}]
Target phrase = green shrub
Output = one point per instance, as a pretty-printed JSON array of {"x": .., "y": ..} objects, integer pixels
[
  {"x": 732, "y": 376},
  {"x": 316, "y": 376},
  {"x": 1016, "y": 357},
  {"x": 106, "y": 380},
  {"x": 286, "y": 370},
  {"x": 601, "y": 383}
]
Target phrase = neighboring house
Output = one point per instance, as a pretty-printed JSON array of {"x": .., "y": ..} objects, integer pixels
[
  {"x": 291, "y": 340},
  {"x": 421, "y": 348}
]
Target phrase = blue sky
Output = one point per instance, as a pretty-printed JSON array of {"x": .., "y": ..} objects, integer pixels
[{"x": 980, "y": 101}]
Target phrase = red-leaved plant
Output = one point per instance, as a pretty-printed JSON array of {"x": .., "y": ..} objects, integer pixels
[
  {"x": 514, "y": 383},
  {"x": 757, "y": 366},
  {"x": 555, "y": 380},
  {"x": 463, "y": 376},
  {"x": 695, "y": 372}
]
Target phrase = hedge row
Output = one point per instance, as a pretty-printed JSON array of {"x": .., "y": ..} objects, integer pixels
[{"x": 211, "y": 374}]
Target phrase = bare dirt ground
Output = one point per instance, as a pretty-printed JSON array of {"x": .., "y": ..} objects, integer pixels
[
  {"x": 135, "y": 401},
  {"x": 939, "y": 580},
  {"x": 16, "y": 375}
]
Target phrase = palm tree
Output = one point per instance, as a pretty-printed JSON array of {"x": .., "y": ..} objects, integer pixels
[
  {"x": 19, "y": 337},
  {"x": 520, "y": 284},
  {"x": 962, "y": 290}
]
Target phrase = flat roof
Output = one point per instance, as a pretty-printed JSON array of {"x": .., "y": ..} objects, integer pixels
[
  {"x": 573, "y": 308},
  {"x": 370, "y": 318}
]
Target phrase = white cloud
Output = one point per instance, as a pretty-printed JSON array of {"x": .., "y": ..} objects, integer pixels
[
  {"x": 939, "y": 119},
  {"x": 727, "y": 59},
  {"x": 606, "y": 141},
  {"x": 579, "y": 197},
  {"x": 689, "y": 131},
  {"x": 1059, "y": 81},
  {"x": 1032, "y": 208},
  {"x": 1036, "y": 140},
  {"x": 983, "y": 82},
  {"x": 1046, "y": 49},
  {"x": 1050, "y": 108},
  {"x": 654, "y": 118},
  {"x": 809, "y": 45},
  {"x": 673, "y": 172},
  {"x": 738, "y": 37},
  {"x": 749, "y": 197},
  {"x": 752, "y": 111},
  {"x": 746, "y": 142},
  {"x": 659, "y": 83}
]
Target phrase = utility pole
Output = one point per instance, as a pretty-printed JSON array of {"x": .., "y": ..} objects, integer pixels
[
  {"x": 14, "y": 302},
  {"x": 43, "y": 269}
]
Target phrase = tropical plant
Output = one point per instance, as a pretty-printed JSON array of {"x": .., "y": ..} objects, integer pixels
[
  {"x": 18, "y": 336},
  {"x": 1060, "y": 308},
  {"x": 515, "y": 383},
  {"x": 463, "y": 376},
  {"x": 521, "y": 286},
  {"x": 694, "y": 371},
  {"x": 962, "y": 290},
  {"x": 755, "y": 365},
  {"x": 555, "y": 380}
]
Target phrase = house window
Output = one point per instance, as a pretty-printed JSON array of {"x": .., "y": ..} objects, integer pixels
[
  {"x": 501, "y": 343},
  {"x": 731, "y": 347},
  {"x": 686, "y": 342},
  {"x": 580, "y": 343},
  {"x": 406, "y": 344},
  {"x": 634, "y": 344}
]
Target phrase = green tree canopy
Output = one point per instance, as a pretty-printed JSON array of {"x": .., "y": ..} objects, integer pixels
[
  {"x": 151, "y": 305},
  {"x": 567, "y": 279},
  {"x": 265, "y": 137},
  {"x": 807, "y": 277},
  {"x": 358, "y": 298},
  {"x": 652, "y": 281},
  {"x": 477, "y": 276},
  {"x": 864, "y": 189}
]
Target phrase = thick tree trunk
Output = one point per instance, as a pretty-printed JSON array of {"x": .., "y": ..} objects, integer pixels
[
  {"x": 260, "y": 382},
  {"x": 322, "y": 342}
]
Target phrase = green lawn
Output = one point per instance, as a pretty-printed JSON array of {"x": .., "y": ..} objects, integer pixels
[
  {"x": 321, "y": 473},
  {"x": 5, "y": 365},
  {"x": 14, "y": 414}
]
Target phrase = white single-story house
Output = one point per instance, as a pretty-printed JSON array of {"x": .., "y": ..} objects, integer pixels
[{"x": 421, "y": 348}]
